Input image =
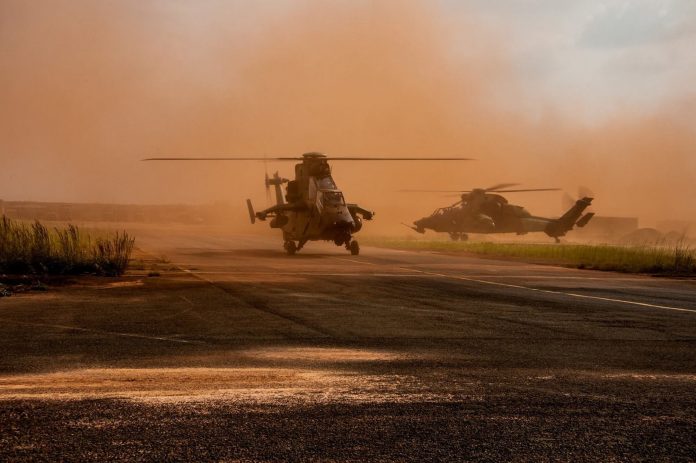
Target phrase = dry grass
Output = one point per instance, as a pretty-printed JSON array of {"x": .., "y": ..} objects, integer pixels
[
  {"x": 36, "y": 249},
  {"x": 678, "y": 258}
]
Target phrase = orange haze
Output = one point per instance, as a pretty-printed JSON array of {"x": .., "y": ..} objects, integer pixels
[{"x": 89, "y": 88}]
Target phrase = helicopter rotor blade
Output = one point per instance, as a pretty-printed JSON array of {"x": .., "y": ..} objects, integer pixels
[
  {"x": 328, "y": 158},
  {"x": 295, "y": 158},
  {"x": 567, "y": 201},
  {"x": 583, "y": 192},
  {"x": 429, "y": 191},
  {"x": 526, "y": 190},
  {"x": 487, "y": 190},
  {"x": 500, "y": 186},
  {"x": 263, "y": 159}
]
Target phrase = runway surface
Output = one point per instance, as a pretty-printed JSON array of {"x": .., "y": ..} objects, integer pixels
[{"x": 239, "y": 352}]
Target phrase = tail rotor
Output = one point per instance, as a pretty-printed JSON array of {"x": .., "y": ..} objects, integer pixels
[
  {"x": 569, "y": 201},
  {"x": 267, "y": 183}
]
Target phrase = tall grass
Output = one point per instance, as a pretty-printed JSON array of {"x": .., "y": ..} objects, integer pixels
[
  {"x": 679, "y": 258},
  {"x": 36, "y": 249}
]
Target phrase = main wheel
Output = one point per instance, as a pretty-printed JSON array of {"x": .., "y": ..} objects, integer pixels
[
  {"x": 354, "y": 248},
  {"x": 290, "y": 247},
  {"x": 454, "y": 236},
  {"x": 463, "y": 237}
]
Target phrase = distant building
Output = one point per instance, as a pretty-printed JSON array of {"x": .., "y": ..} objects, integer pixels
[
  {"x": 607, "y": 228},
  {"x": 683, "y": 227}
]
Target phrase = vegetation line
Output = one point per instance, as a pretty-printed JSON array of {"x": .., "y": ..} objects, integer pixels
[
  {"x": 678, "y": 259},
  {"x": 35, "y": 249}
]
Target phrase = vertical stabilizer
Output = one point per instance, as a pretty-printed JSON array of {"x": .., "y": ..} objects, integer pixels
[{"x": 567, "y": 221}]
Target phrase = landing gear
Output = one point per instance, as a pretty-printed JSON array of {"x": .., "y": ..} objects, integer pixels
[
  {"x": 354, "y": 248},
  {"x": 290, "y": 247},
  {"x": 454, "y": 236}
]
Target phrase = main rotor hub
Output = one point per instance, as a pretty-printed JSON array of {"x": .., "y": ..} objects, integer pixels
[{"x": 313, "y": 155}]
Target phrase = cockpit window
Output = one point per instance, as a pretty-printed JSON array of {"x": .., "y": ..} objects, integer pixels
[
  {"x": 326, "y": 183},
  {"x": 333, "y": 198}
]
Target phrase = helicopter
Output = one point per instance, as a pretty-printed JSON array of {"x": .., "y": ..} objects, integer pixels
[
  {"x": 313, "y": 208},
  {"x": 484, "y": 210}
]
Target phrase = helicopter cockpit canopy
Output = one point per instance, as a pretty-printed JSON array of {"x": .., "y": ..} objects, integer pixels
[
  {"x": 332, "y": 198},
  {"x": 326, "y": 183},
  {"x": 439, "y": 212}
]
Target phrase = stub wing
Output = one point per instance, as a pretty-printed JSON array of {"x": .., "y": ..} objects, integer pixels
[
  {"x": 355, "y": 209},
  {"x": 279, "y": 209}
]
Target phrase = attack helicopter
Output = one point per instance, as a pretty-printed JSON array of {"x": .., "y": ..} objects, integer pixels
[
  {"x": 484, "y": 210},
  {"x": 313, "y": 208}
]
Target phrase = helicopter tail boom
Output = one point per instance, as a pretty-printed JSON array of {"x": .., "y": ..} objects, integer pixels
[{"x": 567, "y": 221}]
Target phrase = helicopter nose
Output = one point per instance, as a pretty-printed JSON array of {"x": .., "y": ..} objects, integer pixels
[
  {"x": 343, "y": 217},
  {"x": 339, "y": 218},
  {"x": 342, "y": 223},
  {"x": 419, "y": 225}
]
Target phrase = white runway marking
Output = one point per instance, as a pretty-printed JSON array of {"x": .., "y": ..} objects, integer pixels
[
  {"x": 472, "y": 278},
  {"x": 549, "y": 291},
  {"x": 485, "y": 275},
  {"x": 330, "y": 274}
]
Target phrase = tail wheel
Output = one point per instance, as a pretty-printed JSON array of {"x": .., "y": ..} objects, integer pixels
[
  {"x": 290, "y": 247},
  {"x": 354, "y": 248}
]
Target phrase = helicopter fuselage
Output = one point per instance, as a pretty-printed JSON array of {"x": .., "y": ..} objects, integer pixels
[
  {"x": 491, "y": 213},
  {"x": 313, "y": 208},
  {"x": 326, "y": 217}
]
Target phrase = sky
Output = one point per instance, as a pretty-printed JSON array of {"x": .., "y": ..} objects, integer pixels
[
  {"x": 596, "y": 57},
  {"x": 543, "y": 93}
]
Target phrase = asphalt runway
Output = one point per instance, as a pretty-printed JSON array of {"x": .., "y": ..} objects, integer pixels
[{"x": 237, "y": 352}]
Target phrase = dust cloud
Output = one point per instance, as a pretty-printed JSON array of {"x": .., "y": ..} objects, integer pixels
[{"x": 87, "y": 89}]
